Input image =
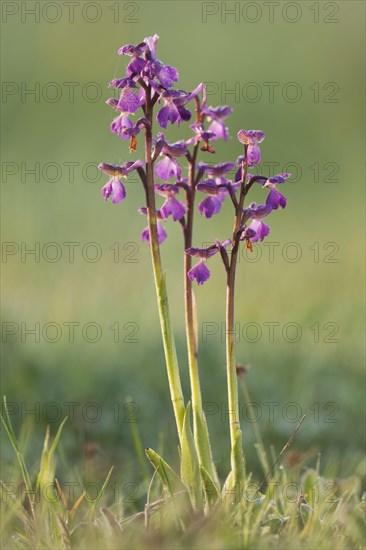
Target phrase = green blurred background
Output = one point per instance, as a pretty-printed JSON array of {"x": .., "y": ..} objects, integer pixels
[{"x": 320, "y": 132}]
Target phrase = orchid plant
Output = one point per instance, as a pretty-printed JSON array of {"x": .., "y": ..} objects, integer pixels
[{"x": 147, "y": 97}]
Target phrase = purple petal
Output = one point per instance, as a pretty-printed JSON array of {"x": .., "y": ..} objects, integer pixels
[
  {"x": 219, "y": 130},
  {"x": 261, "y": 230},
  {"x": 118, "y": 191},
  {"x": 168, "y": 113},
  {"x": 162, "y": 234},
  {"x": 254, "y": 155},
  {"x": 151, "y": 42},
  {"x": 250, "y": 137},
  {"x": 135, "y": 66},
  {"x": 114, "y": 188},
  {"x": 168, "y": 168},
  {"x": 130, "y": 49},
  {"x": 209, "y": 187},
  {"x": 120, "y": 125},
  {"x": 167, "y": 75},
  {"x": 276, "y": 199},
  {"x": 209, "y": 207},
  {"x": 128, "y": 101},
  {"x": 173, "y": 207},
  {"x": 167, "y": 189},
  {"x": 184, "y": 113},
  {"x": 260, "y": 211},
  {"x": 120, "y": 83},
  {"x": 217, "y": 113},
  {"x": 199, "y": 272},
  {"x": 279, "y": 178}
]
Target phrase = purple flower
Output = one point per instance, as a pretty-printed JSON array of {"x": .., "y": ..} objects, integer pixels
[
  {"x": 167, "y": 75},
  {"x": 128, "y": 101},
  {"x": 162, "y": 234},
  {"x": 172, "y": 111},
  {"x": 171, "y": 207},
  {"x": 251, "y": 138},
  {"x": 114, "y": 188},
  {"x": 217, "y": 116},
  {"x": 168, "y": 168},
  {"x": 261, "y": 230},
  {"x": 209, "y": 206},
  {"x": 276, "y": 199},
  {"x": 151, "y": 42},
  {"x": 202, "y": 135},
  {"x": 135, "y": 67},
  {"x": 121, "y": 126},
  {"x": 200, "y": 272}
]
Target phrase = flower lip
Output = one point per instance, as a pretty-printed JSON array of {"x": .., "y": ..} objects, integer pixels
[
  {"x": 261, "y": 230},
  {"x": 200, "y": 272},
  {"x": 114, "y": 188}
]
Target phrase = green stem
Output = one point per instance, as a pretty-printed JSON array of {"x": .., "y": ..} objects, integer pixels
[
  {"x": 200, "y": 430},
  {"x": 236, "y": 439},
  {"x": 160, "y": 284},
  {"x": 237, "y": 456}
]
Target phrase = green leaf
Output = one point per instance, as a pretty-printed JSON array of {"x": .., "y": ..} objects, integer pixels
[
  {"x": 189, "y": 469},
  {"x": 203, "y": 439},
  {"x": 212, "y": 490},
  {"x": 47, "y": 468},
  {"x": 274, "y": 523},
  {"x": 13, "y": 440},
  {"x": 305, "y": 512},
  {"x": 168, "y": 477},
  {"x": 310, "y": 486}
]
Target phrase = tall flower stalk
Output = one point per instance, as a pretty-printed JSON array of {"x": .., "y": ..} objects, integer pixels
[
  {"x": 160, "y": 284},
  {"x": 149, "y": 84},
  {"x": 200, "y": 429},
  {"x": 237, "y": 456}
]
